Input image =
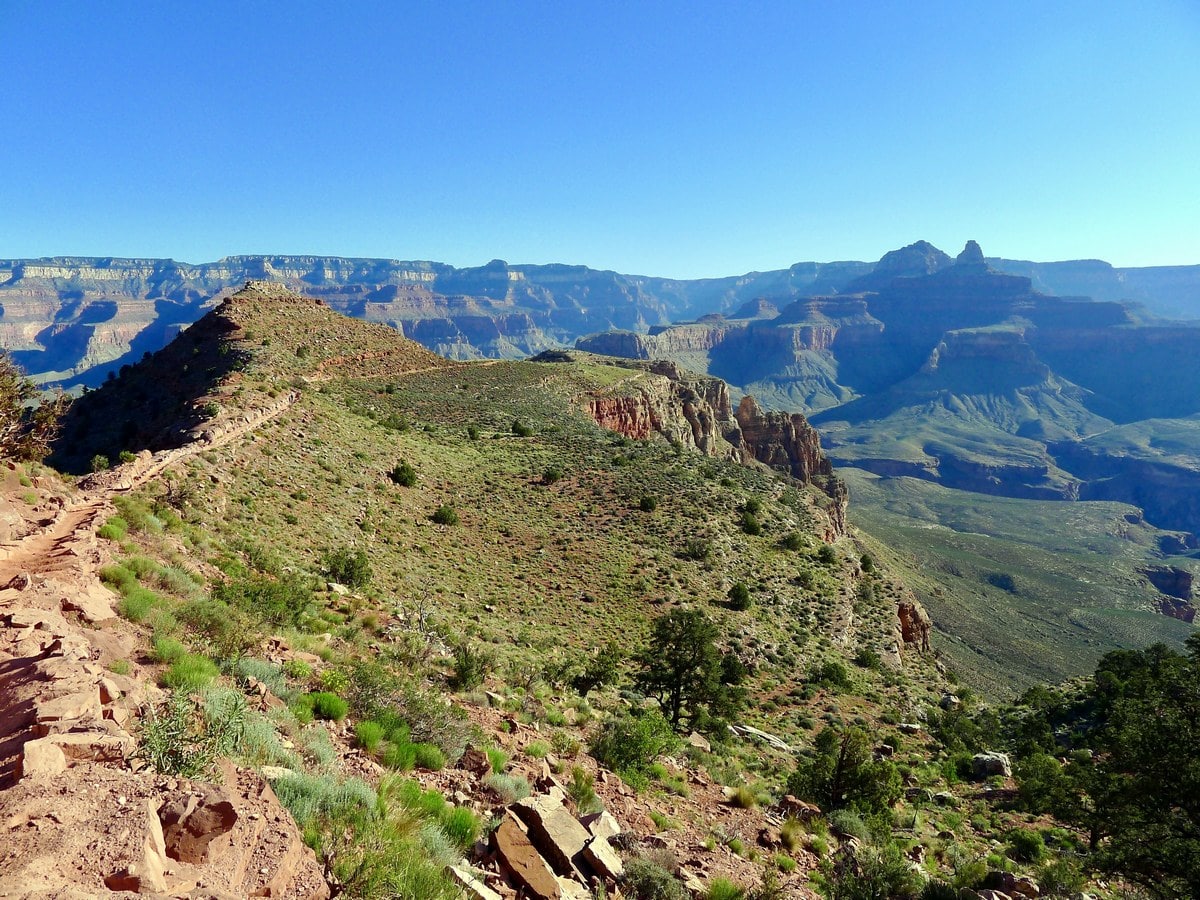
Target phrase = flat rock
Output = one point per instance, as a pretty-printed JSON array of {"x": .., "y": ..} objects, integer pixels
[
  {"x": 602, "y": 824},
  {"x": 603, "y": 859},
  {"x": 523, "y": 861},
  {"x": 553, "y": 830}
]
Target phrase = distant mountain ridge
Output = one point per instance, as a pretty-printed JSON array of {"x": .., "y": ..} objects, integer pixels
[
  {"x": 951, "y": 371},
  {"x": 71, "y": 320}
]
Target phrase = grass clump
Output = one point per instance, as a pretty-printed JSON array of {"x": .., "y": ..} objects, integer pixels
[
  {"x": 368, "y": 735},
  {"x": 190, "y": 672},
  {"x": 115, "y": 529},
  {"x": 509, "y": 788},
  {"x": 328, "y": 706}
]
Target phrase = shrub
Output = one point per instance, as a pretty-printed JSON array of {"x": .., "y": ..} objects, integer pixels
[
  {"x": 445, "y": 515},
  {"x": 401, "y": 757},
  {"x": 99, "y": 462},
  {"x": 600, "y": 670},
  {"x": 723, "y": 889},
  {"x": 508, "y": 788},
  {"x": 348, "y": 566},
  {"x": 1025, "y": 845},
  {"x": 167, "y": 650},
  {"x": 794, "y": 541},
  {"x": 115, "y": 529},
  {"x": 739, "y": 597},
  {"x": 582, "y": 791},
  {"x": 471, "y": 666},
  {"x": 190, "y": 672},
  {"x": 696, "y": 549},
  {"x": 368, "y": 735},
  {"x": 428, "y": 757},
  {"x": 403, "y": 474},
  {"x": 648, "y": 503},
  {"x": 461, "y": 826},
  {"x": 498, "y": 758},
  {"x": 647, "y": 880},
  {"x": 137, "y": 603},
  {"x": 297, "y": 669},
  {"x": 831, "y": 673},
  {"x": 552, "y": 474},
  {"x": 826, "y": 555},
  {"x": 1060, "y": 878},
  {"x": 843, "y": 773},
  {"x": 279, "y": 601},
  {"x": 743, "y": 797},
  {"x": 472, "y": 432},
  {"x": 329, "y": 706},
  {"x": 520, "y": 429},
  {"x": 750, "y": 524},
  {"x": 175, "y": 739},
  {"x": 867, "y": 658},
  {"x": 629, "y": 744}
]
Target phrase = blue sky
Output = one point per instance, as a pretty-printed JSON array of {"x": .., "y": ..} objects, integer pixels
[{"x": 680, "y": 139}]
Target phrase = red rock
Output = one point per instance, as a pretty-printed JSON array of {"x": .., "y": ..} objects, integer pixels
[{"x": 519, "y": 856}]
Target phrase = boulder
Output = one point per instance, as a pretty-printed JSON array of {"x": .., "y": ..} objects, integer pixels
[
  {"x": 522, "y": 861},
  {"x": 553, "y": 830},
  {"x": 984, "y": 765},
  {"x": 699, "y": 741},
  {"x": 599, "y": 854},
  {"x": 147, "y": 874},
  {"x": 191, "y": 822},
  {"x": 476, "y": 762},
  {"x": 602, "y": 824},
  {"x": 42, "y": 759}
]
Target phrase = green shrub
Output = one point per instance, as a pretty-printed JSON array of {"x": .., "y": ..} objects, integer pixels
[
  {"x": 723, "y": 889},
  {"x": 167, "y": 650},
  {"x": 471, "y": 666},
  {"x": 696, "y": 549},
  {"x": 582, "y": 791},
  {"x": 403, "y": 474},
  {"x": 278, "y": 601},
  {"x": 826, "y": 555},
  {"x": 509, "y": 788},
  {"x": 119, "y": 667},
  {"x": 329, "y": 706},
  {"x": 137, "y": 603},
  {"x": 520, "y": 429},
  {"x": 552, "y": 474},
  {"x": 445, "y": 515},
  {"x": 831, "y": 673},
  {"x": 118, "y": 578},
  {"x": 115, "y": 529},
  {"x": 843, "y": 773},
  {"x": 461, "y": 826},
  {"x": 190, "y": 672},
  {"x": 629, "y": 744},
  {"x": 750, "y": 524},
  {"x": 647, "y": 880},
  {"x": 348, "y": 566},
  {"x": 401, "y": 757},
  {"x": 739, "y": 597},
  {"x": 99, "y": 462},
  {"x": 867, "y": 658},
  {"x": 498, "y": 758},
  {"x": 428, "y": 757},
  {"x": 648, "y": 503},
  {"x": 368, "y": 735},
  {"x": 174, "y": 738},
  {"x": 1025, "y": 845},
  {"x": 1060, "y": 878},
  {"x": 794, "y": 541},
  {"x": 297, "y": 669}
]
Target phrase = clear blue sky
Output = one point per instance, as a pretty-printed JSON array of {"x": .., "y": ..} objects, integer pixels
[{"x": 681, "y": 139}]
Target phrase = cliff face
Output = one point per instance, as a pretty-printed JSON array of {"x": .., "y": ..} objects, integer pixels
[{"x": 695, "y": 410}]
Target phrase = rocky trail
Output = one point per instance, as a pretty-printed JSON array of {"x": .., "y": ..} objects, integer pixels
[{"x": 80, "y": 815}]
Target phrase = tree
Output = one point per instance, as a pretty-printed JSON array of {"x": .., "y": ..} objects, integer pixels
[
  {"x": 26, "y": 427},
  {"x": 683, "y": 669},
  {"x": 843, "y": 773},
  {"x": 1133, "y": 782}
]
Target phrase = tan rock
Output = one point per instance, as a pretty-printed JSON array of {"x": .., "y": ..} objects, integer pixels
[
  {"x": 95, "y": 746},
  {"x": 472, "y": 886},
  {"x": 146, "y": 875},
  {"x": 42, "y": 758},
  {"x": 602, "y": 824},
  {"x": 83, "y": 704},
  {"x": 553, "y": 830},
  {"x": 603, "y": 859}
]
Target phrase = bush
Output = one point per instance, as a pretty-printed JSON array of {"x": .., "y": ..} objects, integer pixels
[
  {"x": 794, "y": 541},
  {"x": 190, "y": 672},
  {"x": 648, "y": 503},
  {"x": 445, "y": 515},
  {"x": 329, "y": 706},
  {"x": 348, "y": 566},
  {"x": 428, "y": 757},
  {"x": 278, "y": 601},
  {"x": 520, "y": 429},
  {"x": 739, "y": 597},
  {"x": 498, "y": 759},
  {"x": 368, "y": 735},
  {"x": 403, "y": 474},
  {"x": 831, "y": 673},
  {"x": 723, "y": 889},
  {"x": 1060, "y": 878},
  {"x": 138, "y": 603},
  {"x": 461, "y": 826},
  {"x": 115, "y": 529},
  {"x": 826, "y": 555},
  {"x": 552, "y": 474},
  {"x": 1025, "y": 845},
  {"x": 867, "y": 658},
  {"x": 508, "y": 788},
  {"x": 167, "y": 650},
  {"x": 647, "y": 880},
  {"x": 401, "y": 757},
  {"x": 582, "y": 791},
  {"x": 175, "y": 739},
  {"x": 99, "y": 462},
  {"x": 843, "y": 773},
  {"x": 629, "y": 744},
  {"x": 696, "y": 549},
  {"x": 471, "y": 666},
  {"x": 750, "y": 524}
]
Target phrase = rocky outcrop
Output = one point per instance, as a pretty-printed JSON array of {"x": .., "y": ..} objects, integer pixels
[
  {"x": 915, "y": 625},
  {"x": 1170, "y": 580},
  {"x": 695, "y": 411}
]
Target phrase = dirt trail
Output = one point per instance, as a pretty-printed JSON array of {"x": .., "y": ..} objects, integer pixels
[{"x": 76, "y": 819}]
